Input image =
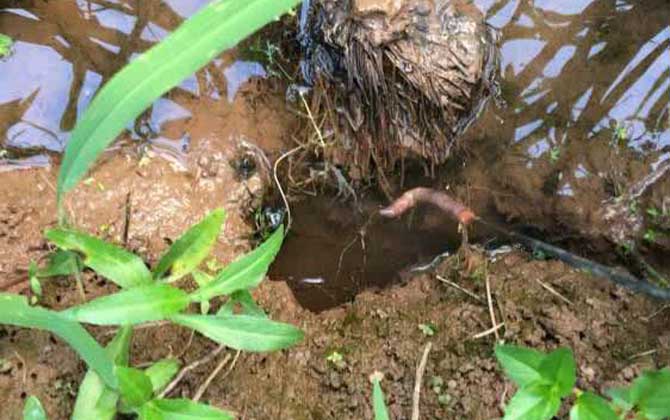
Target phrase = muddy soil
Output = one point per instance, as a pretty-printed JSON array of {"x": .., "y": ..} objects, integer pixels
[
  {"x": 586, "y": 86},
  {"x": 614, "y": 336}
]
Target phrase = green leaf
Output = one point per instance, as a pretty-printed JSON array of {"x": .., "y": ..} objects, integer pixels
[
  {"x": 535, "y": 402},
  {"x": 5, "y": 45},
  {"x": 35, "y": 285},
  {"x": 154, "y": 302},
  {"x": 95, "y": 400},
  {"x": 243, "y": 332},
  {"x": 161, "y": 373},
  {"x": 651, "y": 393},
  {"x": 62, "y": 263},
  {"x": 558, "y": 368},
  {"x": 181, "y": 409},
  {"x": 218, "y": 26},
  {"x": 120, "y": 266},
  {"x": 14, "y": 310},
  {"x": 191, "y": 248},
  {"x": 378, "y": 403},
  {"x": 33, "y": 410},
  {"x": 590, "y": 406},
  {"x": 621, "y": 397},
  {"x": 245, "y": 273},
  {"x": 246, "y": 301},
  {"x": 520, "y": 364},
  {"x": 134, "y": 386}
]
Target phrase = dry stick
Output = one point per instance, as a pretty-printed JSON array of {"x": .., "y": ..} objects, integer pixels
[
  {"x": 489, "y": 331},
  {"x": 458, "y": 287},
  {"x": 201, "y": 390},
  {"x": 279, "y": 187},
  {"x": 190, "y": 367},
  {"x": 554, "y": 292},
  {"x": 494, "y": 323},
  {"x": 419, "y": 379}
]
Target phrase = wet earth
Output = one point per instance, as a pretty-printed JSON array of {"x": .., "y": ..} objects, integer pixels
[{"x": 584, "y": 116}]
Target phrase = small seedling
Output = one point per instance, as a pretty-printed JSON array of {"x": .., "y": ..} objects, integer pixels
[
  {"x": 111, "y": 386},
  {"x": 428, "y": 330},
  {"x": 336, "y": 358},
  {"x": 544, "y": 380},
  {"x": 650, "y": 235}
]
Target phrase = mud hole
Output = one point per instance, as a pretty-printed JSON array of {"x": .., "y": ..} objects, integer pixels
[{"x": 587, "y": 91}]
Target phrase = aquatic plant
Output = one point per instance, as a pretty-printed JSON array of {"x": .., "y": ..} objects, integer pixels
[
  {"x": 111, "y": 386},
  {"x": 218, "y": 26},
  {"x": 544, "y": 380}
]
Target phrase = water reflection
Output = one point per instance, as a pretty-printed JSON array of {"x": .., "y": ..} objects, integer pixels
[
  {"x": 578, "y": 71},
  {"x": 64, "y": 52},
  {"x": 573, "y": 69}
]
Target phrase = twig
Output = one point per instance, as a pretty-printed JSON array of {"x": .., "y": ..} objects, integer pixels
[
  {"x": 193, "y": 365},
  {"x": 419, "y": 379},
  {"x": 656, "y": 312},
  {"x": 457, "y": 287},
  {"x": 279, "y": 187},
  {"x": 311, "y": 118},
  {"x": 491, "y": 311},
  {"x": 554, "y": 292},
  {"x": 644, "y": 353},
  {"x": 489, "y": 331},
  {"x": 201, "y": 390}
]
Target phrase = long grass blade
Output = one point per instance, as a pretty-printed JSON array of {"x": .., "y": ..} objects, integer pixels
[{"x": 218, "y": 26}]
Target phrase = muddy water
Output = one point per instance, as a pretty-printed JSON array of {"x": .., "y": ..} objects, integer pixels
[
  {"x": 585, "y": 113},
  {"x": 586, "y": 87},
  {"x": 64, "y": 51}
]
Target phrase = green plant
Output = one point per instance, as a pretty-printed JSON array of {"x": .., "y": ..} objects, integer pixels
[
  {"x": 218, "y": 26},
  {"x": 544, "y": 380},
  {"x": 111, "y": 386},
  {"x": 33, "y": 410},
  {"x": 378, "y": 403},
  {"x": 428, "y": 330},
  {"x": 5, "y": 45}
]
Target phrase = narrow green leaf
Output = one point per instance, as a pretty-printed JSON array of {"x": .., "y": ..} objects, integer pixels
[
  {"x": 520, "y": 364},
  {"x": 154, "y": 302},
  {"x": 651, "y": 394},
  {"x": 181, "y": 409},
  {"x": 95, "y": 400},
  {"x": 590, "y": 406},
  {"x": 243, "y": 332},
  {"x": 134, "y": 386},
  {"x": 246, "y": 302},
  {"x": 245, "y": 273},
  {"x": 14, "y": 310},
  {"x": 161, "y": 373},
  {"x": 218, "y": 26},
  {"x": 61, "y": 263},
  {"x": 378, "y": 402},
  {"x": 120, "y": 266},
  {"x": 535, "y": 402},
  {"x": 621, "y": 398},
  {"x": 558, "y": 368},
  {"x": 187, "y": 252},
  {"x": 33, "y": 410}
]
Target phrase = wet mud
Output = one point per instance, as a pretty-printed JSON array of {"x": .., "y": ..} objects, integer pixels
[{"x": 586, "y": 117}]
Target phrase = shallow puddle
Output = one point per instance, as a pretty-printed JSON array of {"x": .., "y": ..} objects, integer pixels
[{"x": 64, "y": 51}]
